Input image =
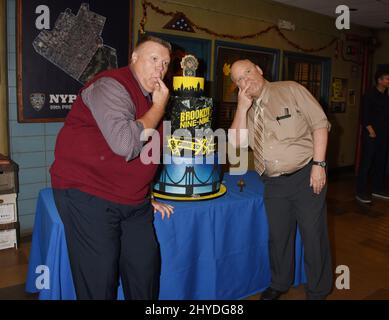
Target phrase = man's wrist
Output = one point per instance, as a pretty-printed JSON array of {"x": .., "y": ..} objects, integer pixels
[
  {"x": 159, "y": 106},
  {"x": 321, "y": 163},
  {"x": 242, "y": 110}
]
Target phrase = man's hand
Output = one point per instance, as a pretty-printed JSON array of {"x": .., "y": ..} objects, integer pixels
[
  {"x": 162, "y": 208},
  {"x": 244, "y": 101},
  {"x": 160, "y": 94},
  {"x": 318, "y": 178},
  {"x": 372, "y": 133},
  {"x": 153, "y": 116}
]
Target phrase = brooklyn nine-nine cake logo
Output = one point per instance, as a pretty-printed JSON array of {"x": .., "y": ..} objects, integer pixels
[{"x": 191, "y": 119}]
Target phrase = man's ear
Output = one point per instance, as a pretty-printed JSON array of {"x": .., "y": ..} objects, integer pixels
[
  {"x": 259, "y": 70},
  {"x": 134, "y": 57}
]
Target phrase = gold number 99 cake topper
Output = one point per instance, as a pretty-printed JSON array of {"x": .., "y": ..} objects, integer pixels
[{"x": 189, "y": 65}]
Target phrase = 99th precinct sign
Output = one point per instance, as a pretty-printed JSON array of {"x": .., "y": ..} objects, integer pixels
[{"x": 61, "y": 45}]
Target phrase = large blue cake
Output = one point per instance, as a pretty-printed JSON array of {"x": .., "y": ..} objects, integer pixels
[{"x": 190, "y": 168}]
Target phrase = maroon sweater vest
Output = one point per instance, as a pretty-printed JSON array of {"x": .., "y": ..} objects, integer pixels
[{"x": 84, "y": 160}]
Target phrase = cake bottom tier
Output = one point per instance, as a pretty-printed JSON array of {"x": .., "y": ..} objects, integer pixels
[{"x": 189, "y": 176}]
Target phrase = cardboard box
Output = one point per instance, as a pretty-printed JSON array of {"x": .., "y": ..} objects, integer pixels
[
  {"x": 8, "y": 208},
  {"x": 8, "y": 177},
  {"x": 8, "y": 239}
]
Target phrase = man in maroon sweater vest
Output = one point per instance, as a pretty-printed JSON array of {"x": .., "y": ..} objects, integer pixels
[{"x": 101, "y": 187}]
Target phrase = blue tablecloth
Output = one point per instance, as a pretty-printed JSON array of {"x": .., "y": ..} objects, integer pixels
[{"x": 215, "y": 249}]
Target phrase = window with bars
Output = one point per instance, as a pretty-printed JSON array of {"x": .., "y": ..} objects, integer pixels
[{"x": 312, "y": 72}]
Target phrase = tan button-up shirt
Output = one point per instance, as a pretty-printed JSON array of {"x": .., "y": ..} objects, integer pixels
[{"x": 290, "y": 115}]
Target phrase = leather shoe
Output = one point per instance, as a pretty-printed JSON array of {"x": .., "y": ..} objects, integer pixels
[{"x": 271, "y": 294}]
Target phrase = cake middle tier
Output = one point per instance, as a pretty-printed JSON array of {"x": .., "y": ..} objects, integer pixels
[{"x": 190, "y": 113}]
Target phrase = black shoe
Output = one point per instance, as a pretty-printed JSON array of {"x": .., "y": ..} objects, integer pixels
[
  {"x": 381, "y": 195},
  {"x": 271, "y": 294},
  {"x": 363, "y": 199}
]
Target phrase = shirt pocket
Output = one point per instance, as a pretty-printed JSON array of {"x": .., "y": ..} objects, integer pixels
[{"x": 290, "y": 128}]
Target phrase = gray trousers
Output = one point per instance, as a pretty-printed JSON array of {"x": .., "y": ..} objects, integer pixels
[{"x": 290, "y": 201}]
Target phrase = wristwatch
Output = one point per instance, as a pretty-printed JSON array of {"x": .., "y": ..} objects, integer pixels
[{"x": 322, "y": 164}]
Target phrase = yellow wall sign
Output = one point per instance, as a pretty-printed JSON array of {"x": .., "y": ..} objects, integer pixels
[
  {"x": 338, "y": 90},
  {"x": 338, "y": 96}
]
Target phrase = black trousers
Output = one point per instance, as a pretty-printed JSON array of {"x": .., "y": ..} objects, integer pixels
[
  {"x": 107, "y": 241},
  {"x": 373, "y": 160},
  {"x": 289, "y": 202}
]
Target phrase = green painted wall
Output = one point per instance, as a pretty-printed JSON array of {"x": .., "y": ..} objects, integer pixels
[{"x": 312, "y": 30}]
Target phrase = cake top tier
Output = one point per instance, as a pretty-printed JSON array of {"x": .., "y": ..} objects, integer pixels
[{"x": 188, "y": 85}]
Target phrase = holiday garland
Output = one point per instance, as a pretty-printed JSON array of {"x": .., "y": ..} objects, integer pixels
[{"x": 147, "y": 4}]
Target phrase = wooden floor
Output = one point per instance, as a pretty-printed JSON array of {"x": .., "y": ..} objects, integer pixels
[{"x": 359, "y": 238}]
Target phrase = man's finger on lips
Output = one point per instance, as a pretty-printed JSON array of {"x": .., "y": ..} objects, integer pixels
[
  {"x": 157, "y": 84},
  {"x": 161, "y": 83}
]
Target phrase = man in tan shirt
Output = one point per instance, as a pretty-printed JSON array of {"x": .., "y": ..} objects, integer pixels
[{"x": 288, "y": 131}]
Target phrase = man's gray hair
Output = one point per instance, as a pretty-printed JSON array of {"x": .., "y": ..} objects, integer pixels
[{"x": 146, "y": 38}]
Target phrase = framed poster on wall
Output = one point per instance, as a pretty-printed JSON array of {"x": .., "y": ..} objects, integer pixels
[
  {"x": 226, "y": 91},
  {"x": 61, "y": 45}
]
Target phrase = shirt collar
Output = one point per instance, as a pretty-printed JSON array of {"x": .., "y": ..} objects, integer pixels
[
  {"x": 264, "y": 96},
  {"x": 145, "y": 93}
]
